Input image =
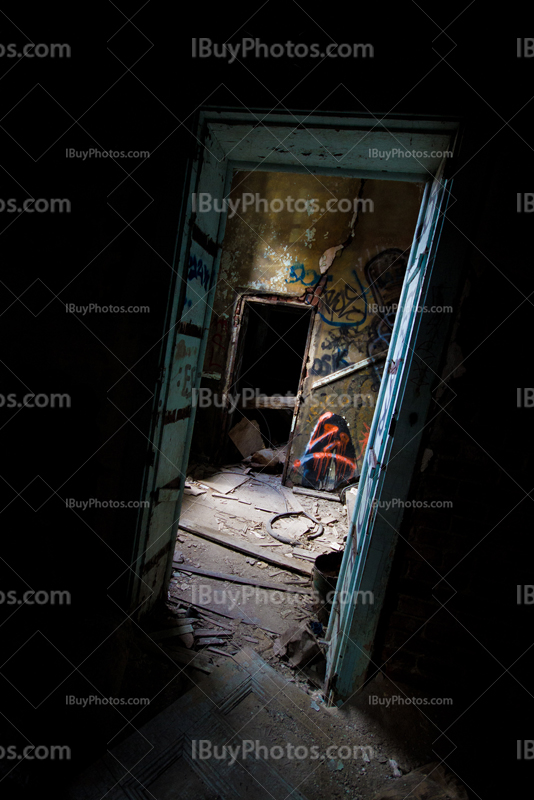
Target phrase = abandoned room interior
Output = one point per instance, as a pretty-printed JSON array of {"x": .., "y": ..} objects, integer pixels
[
  {"x": 283, "y": 590},
  {"x": 317, "y": 581}
]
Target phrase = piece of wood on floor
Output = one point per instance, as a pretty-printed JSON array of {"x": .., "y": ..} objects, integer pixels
[
  {"x": 299, "y": 552},
  {"x": 209, "y": 640},
  {"x": 293, "y": 502},
  {"x": 242, "y": 617},
  {"x": 202, "y": 633},
  {"x": 313, "y": 493},
  {"x": 230, "y": 497},
  {"x": 248, "y": 549},
  {"x": 269, "y": 510},
  {"x": 222, "y": 576},
  {"x": 214, "y": 621},
  {"x": 220, "y": 652},
  {"x": 182, "y": 599},
  {"x": 168, "y": 632}
]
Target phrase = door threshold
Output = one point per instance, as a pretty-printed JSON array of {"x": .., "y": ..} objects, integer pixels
[{"x": 316, "y": 493}]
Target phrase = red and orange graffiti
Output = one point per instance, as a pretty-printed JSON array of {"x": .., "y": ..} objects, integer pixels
[{"x": 330, "y": 443}]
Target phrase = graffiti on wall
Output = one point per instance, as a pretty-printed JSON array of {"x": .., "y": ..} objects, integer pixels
[
  {"x": 385, "y": 273},
  {"x": 345, "y": 306},
  {"x": 330, "y": 458},
  {"x": 359, "y": 321},
  {"x": 323, "y": 402},
  {"x": 335, "y": 351},
  {"x": 307, "y": 277},
  {"x": 198, "y": 269},
  {"x": 330, "y": 362},
  {"x": 198, "y": 277}
]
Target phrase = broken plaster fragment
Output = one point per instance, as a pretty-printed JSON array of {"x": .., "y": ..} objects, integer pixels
[{"x": 328, "y": 257}]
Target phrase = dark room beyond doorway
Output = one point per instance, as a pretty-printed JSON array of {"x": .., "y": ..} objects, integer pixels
[{"x": 272, "y": 350}]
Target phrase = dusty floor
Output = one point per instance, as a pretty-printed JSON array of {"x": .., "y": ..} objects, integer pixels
[
  {"x": 264, "y": 614},
  {"x": 388, "y": 743},
  {"x": 239, "y": 514},
  {"x": 374, "y": 747}
]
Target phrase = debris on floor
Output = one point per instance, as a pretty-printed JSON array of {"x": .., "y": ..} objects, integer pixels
[
  {"x": 224, "y": 482},
  {"x": 269, "y": 459},
  {"x": 330, "y": 496},
  {"x": 246, "y": 523},
  {"x": 193, "y": 490},
  {"x": 431, "y": 782},
  {"x": 299, "y": 645},
  {"x": 247, "y": 548},
  {"x": 288, "y": 710},
  {"x": 294, "y": 527},
  {"x": 246, "y": 436}
]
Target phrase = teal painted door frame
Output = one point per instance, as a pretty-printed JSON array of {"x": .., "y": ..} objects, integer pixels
[
  {"x": 348, "y": 641},
  {"x": 226, "y": 141},
  {"x": 352, "y": 657}
]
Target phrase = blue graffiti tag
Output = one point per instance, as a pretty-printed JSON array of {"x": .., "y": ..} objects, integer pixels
[
  {"x": 197, "y": 269},
  {"x": 298, "y": 273},
  {"x": 330, "y": 363},
  {"x": 340, "y": 302}
]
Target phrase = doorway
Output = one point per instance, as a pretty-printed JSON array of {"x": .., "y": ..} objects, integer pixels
[
  {"x": 270, "y": 359},
  {"x": 199, "y": 330}
]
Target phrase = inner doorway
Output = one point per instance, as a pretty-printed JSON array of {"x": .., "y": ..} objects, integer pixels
[{"x": 271, "y": 354}]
